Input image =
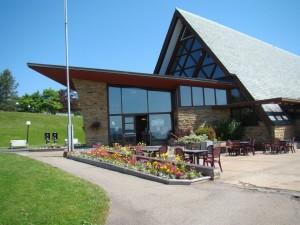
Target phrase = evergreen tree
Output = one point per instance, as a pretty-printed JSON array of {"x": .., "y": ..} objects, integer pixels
[{"x": 8, "y": 91}]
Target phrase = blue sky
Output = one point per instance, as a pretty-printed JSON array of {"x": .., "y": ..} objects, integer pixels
[{"x": 123, "y": 35}]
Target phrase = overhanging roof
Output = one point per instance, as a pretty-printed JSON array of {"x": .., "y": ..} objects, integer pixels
[
  {"x": 280, "y": 101},
  {"x": 112, "y": 77}
]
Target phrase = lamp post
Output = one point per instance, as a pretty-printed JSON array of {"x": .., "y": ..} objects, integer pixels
[{"x": 27, "y": 124}]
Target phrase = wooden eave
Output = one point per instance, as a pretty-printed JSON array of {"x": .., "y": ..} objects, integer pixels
[{"x": 122, "y": 78}]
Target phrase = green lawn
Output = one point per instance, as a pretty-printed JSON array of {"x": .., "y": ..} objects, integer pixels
[
  {"x": 13, "y": 128},
  {"x": 32, "y": 192}
]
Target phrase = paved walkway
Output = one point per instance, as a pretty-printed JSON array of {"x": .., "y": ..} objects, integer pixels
[
  {"x": 260, "y": 189},
  {"x": 278, "y": 171}
]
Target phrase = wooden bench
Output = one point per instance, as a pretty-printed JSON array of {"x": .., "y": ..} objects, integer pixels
[
  {"x": 75, "y": 142},
  {"x": 18, "y": 143}
]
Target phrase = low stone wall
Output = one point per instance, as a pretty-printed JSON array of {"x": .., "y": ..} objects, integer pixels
[
  {"x": 137, "y": 173},
  {"x": 212, "y": 172}
]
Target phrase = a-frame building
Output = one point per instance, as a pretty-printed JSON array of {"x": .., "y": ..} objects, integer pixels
[{"x": 205, "y": 72}]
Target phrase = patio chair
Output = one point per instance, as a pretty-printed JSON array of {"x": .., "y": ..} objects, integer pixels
[
  {"x": 267, "y": 145},
  {"x": 162, "y": 150},
  {"x": 210, "y": 149},
  {"x": 178, "y": 151},
  {"x": 291, "y": 145},
  {"x": 229, "y": 146},
  {"x": 214, "y": 157},
  {"x": 251, "y": 146},
  {"x": 276, "y": 146},
  {"x": 237, "y": 149},
  {"x": 138, "y": 150},
  {"x": 283, "y": 146}
]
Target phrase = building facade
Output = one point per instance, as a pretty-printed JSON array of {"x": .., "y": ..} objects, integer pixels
[{"x": 205, "y": 72}]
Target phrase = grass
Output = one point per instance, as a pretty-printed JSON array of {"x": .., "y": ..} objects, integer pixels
[
  {"x": 35, "y": 193},
  {"x": 14, "y": 128}
]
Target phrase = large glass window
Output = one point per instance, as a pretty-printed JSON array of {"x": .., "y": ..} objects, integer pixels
[
  {"x": 134, "y": 100},
  {"x": 160, "y": 126},
  {"x": 159, "y": 101},
  {"x": 192, "y": 60},
  {"x": 246, "y": 116},
  {"x": 185, "y": 96},
  {"x": 115, "y": 100},
  {"x": 198, "y": 96},
  {"x": 236, "y": 96},
  {"x": 209, "y": 96},
  {"x": 135, "y": 111},
  {"x": 221, "y": 97},
  {"x": 116, "y": 129}
]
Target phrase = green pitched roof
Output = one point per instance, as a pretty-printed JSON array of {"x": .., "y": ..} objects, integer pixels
[{"x": 266, "y": 71}]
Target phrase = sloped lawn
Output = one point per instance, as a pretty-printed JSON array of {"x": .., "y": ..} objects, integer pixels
[{"x": 35, "y": 193}]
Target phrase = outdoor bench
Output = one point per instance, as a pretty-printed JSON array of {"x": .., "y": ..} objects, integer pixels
[
  {"x": 75, "y": 141},
  {"x": 18, "y": 143}
]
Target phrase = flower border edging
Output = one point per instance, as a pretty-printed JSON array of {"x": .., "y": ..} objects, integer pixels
[{"x": 137, "y": 173}]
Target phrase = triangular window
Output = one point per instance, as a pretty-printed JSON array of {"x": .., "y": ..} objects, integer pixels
[
  {"x": 186, "y": 34},
  {"x": 192, "y": 60}
]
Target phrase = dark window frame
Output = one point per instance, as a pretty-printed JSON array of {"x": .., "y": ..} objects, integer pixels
[
  {"x": 203, "y": 96},
  {"x": 174, "y": 69}
]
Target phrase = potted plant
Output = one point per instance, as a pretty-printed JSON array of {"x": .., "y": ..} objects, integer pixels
[{"x": 192, "y": 141}]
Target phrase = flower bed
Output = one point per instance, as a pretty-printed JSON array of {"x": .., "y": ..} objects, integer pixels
[{"x": 124, "y": 160}]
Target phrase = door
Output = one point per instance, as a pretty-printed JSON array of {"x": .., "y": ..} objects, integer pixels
[
  {"x": 142, "y": 129},
  {"x": 129, "y": 135}
]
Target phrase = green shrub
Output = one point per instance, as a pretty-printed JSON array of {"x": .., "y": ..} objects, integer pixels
[
  {"x": 192, "y": 139},
  {"x": 229, "y": 129},
  {"x": 208, "y": 131}
]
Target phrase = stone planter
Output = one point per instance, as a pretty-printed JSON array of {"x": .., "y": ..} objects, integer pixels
[
  {"x": 221, "y": 144},
  {"x": 137, "y": 173},
  {"x": 205, "y": 144},
  {"x": 193, "y": 146}
]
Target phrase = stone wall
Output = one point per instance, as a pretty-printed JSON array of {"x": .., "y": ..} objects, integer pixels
[
  {"x": 284, "y": 131},
  {"x": 93, "y": 103},
  {"x": 257, "y": 132},
  {"x": 192, "y": 118}
]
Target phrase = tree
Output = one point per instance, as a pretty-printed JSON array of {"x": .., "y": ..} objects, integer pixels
[
  {"x": 50, "y": 101},
  {"x": 8, "y": 91},
  {"x": 63, "y": 99},
  {"x": 31, "y": 103}
]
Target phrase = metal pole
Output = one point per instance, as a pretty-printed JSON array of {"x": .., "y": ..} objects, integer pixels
[
  {"x": 70, "y": 126},
  {"x": 27, "y": 134}
]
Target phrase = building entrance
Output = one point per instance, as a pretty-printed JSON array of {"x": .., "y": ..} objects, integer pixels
[{"x": 135, "y": 129}]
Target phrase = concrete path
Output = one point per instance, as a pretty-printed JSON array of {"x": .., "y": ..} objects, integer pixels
[
  {"x": 277, "y": 171},
  {"x": 260, "y": 189}
]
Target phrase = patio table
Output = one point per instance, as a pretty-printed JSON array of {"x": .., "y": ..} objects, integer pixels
[
  {"x": 151, "y": 151},
  {"x": 195, "y": 154},
  {"x": 244, "y": 145},
  {"x": 283, "y": 144}
]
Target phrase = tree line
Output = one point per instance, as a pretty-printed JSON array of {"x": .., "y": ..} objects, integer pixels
[{"x": 48, "y": 101}]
